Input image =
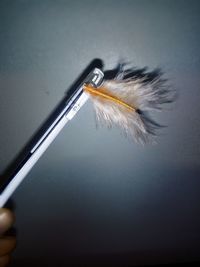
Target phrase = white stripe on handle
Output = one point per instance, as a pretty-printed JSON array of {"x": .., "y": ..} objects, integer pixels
[{"x": 31, "y": 162}]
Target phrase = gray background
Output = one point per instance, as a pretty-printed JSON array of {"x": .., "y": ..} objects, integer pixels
[{"x": 95, "y": 197}]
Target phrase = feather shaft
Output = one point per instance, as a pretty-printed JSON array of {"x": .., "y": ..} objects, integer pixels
[{"x": 103, "y": 92}]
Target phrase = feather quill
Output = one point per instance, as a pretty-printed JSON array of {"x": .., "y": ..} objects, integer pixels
[{"x": 126, "y": 100}]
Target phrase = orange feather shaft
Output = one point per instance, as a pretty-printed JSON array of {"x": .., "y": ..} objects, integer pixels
[{"x": 103, "y": 92}]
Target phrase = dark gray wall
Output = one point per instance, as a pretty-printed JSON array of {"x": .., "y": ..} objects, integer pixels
[{"x": 95, "y": 196}]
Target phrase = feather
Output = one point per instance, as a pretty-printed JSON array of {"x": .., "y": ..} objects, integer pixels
[{"x": 126, "y": 100}]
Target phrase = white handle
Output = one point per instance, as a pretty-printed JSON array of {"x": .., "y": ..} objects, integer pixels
[{"x": 18, "y": 178}]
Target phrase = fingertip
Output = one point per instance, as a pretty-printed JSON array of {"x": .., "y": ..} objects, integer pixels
[{"x": 6, "y": 219}]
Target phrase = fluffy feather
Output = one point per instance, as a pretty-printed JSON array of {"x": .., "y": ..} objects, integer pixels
[{"x": 126, "y": 100}]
